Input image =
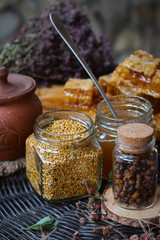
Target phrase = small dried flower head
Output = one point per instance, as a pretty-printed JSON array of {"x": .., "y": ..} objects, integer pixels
[
  {"x": 94, "y": 217},
  {"x": 91, "y": 191},
  {"x": 91, "y": 208},
  {"x": 91, "y": 217},
  {"x": 144, "y": 237},
  {"x": 98, "y": 195},
  {"x": 98, "y": 206},
  {"x": 90, "y": 204},
  {"x": 76, "y": 235},
  {"x": 85, "y": 181},
  {"x": 79, "y": 204},
  {"x": 106, "y": 231},
  {"x": 151, "y": 234},
  {"x": 91, "y": 201},
  {"x": 82, "y": 220},
  {"x": 104, "y": 216},
  {"x": 134, "y": 237}
]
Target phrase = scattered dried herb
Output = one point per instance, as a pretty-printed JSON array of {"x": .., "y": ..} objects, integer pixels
[
  {"x": 76, "y": 235},
  {"x": 45, "y": 224},
  {"x": 92, "y": 212},
  {"x": 37, "y": 50}
]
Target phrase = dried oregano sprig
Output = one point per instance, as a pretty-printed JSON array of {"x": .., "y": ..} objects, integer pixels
[
  {"x": 93, "y": 213},
  {"x": 37, "y": 50}
]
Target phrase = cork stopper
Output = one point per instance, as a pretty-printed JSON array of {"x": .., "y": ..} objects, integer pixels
[{"x": 136, "y": 136}]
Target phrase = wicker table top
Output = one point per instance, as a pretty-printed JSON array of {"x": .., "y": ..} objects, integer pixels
[{"x": 21, "y": 207}]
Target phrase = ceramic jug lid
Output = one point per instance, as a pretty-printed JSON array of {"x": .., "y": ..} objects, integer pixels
[{"x": 14, "y": 85}]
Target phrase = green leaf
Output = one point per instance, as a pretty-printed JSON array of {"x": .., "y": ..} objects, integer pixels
[
  {"x": 30, "y": 35},
  {"x": 110, "y": 177},
  {"x": 45, "y": 224}
]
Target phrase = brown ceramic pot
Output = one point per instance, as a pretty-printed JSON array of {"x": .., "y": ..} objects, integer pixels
[{"x": 19, "y": 107}]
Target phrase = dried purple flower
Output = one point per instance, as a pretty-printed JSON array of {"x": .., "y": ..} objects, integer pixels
[
  {"x": 76, "y": 235},
  {"x": 82, "y": 220},
  {"x": 107, "y": 231},
  {"x": 94, "y": 217},
  {"x": 98, "y": 206},
  {"x": 134, "y": 237},
  {"x": 91, "y": 208},
  {"x": 98, "y": 195},
  {"x": 79, "y": 204},
  {"x": 144, "y": 237},
  {"x": 91, "y": 191},
  {"x": 85, "y": 181},
  {"x": 39, "y": 51},
  {"x": 104, "y": 216},
  {"x": 94, "y": 229}
]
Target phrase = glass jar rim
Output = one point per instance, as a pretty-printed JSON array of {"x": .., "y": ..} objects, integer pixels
[
  {"x": 143, "y": 100},
  {"x": 72, "y": 113}
]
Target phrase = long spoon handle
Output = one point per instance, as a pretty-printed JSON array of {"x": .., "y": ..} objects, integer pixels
[{"x": 58, "y": 25}]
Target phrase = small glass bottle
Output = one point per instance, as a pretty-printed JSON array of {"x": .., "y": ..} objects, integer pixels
[
  {"x": 58, "y": 163},
  {"x": 129, "y": 109},
  {"x": 135, "y": 167}
]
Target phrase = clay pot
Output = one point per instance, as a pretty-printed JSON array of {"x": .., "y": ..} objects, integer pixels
[{"x": 19, "y": 107}]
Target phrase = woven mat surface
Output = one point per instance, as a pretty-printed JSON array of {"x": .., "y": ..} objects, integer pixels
[{"x": 21, "y": 207}]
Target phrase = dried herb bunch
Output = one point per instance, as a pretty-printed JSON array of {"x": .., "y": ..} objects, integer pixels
[{"x": 37, "y": 50}]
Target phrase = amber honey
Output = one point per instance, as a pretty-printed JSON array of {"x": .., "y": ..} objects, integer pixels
[
  {"x": 107, "y": 148},
  {"x": 129, "y": 109}
]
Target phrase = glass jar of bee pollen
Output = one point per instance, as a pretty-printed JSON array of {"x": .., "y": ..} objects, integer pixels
[{"x": 62, "y": 153}]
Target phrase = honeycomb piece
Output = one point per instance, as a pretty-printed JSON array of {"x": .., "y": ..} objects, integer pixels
[
  {"x": 108, "y": 88},
  {"x": 157, "y": 117},
  {"x": 154, "y": 101},
  {"x": 138, "y": 74},
  {"x": 142, "y": 62},
  {"x": 78, "y": 92}
]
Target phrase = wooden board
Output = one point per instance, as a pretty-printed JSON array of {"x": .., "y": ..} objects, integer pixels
[
  {"x": 52, "y": 98},
  {"x": 11, "y": 166},
  {"x": 129, "y": 217}
]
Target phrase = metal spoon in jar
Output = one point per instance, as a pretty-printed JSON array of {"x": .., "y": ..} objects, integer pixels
[{"x": 58, "y": 25}]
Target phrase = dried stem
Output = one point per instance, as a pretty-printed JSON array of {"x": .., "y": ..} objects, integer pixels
[
  {"x": 143, "y": 228},
  {"x": 45, "y": 237},
  {"x": 117, "y": 231}
]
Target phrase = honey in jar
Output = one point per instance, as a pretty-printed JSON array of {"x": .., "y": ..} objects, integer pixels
[{"x": 130, "y": 109}]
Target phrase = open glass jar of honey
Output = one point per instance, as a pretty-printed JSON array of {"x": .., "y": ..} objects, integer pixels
[{"x": 129, "y": 109}]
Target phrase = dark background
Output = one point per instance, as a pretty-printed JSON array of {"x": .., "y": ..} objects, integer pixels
[{"x": 128, "y": 24}]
